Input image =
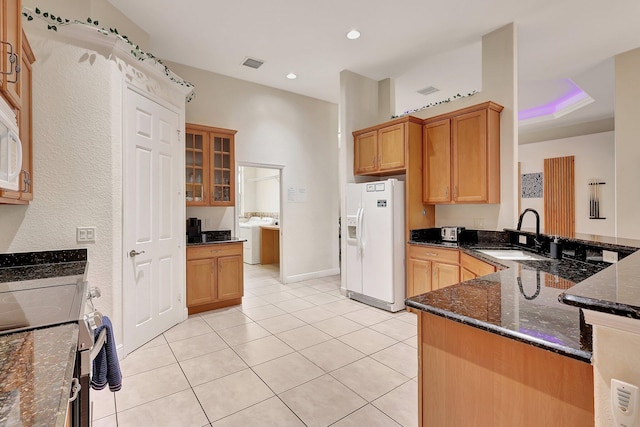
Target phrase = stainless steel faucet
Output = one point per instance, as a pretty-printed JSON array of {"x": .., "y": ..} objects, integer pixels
[{"x": 536, "y": 240}]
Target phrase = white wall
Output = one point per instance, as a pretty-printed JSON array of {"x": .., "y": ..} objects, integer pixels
[
  {"x": 100, "y": 10},
  {"x": 627, "y": 106},
  {"x": 279, "y": 128},
  {"x": 267, "y": 190},
  {"x": 261, "y": 190},
  {"x": 594, "y": 158},
  {"x": 499, "y": 84}
]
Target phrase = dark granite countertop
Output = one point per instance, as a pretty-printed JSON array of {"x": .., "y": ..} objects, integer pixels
[
  {"x": 36, "y": 368},
  {"x": 37, "y": 359},
  {"x": 615, "y": 290},
  {"x": 217, "y": 242},
  {"x": 524, "y": 300}
]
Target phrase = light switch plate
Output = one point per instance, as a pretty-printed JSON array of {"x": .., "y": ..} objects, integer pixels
[{"x": 85, "y": 234}]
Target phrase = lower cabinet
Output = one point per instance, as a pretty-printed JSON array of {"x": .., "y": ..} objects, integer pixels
[
  {"x": 430, "y": 268},
  {"x": 214, "y": 276},
  {"x": 471, "y": 267}
]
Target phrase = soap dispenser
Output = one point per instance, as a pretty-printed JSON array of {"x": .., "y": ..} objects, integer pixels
[{"x": 555, "y": 248}]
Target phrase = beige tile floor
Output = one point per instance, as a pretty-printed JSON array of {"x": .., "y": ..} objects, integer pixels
[{"x": 290, "y": 355}]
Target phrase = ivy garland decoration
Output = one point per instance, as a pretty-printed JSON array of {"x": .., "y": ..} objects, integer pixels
[
  {"x": 433, "y": 104},
  {"x": 54, "y": 21}
]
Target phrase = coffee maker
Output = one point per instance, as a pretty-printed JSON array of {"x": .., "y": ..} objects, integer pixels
[{"x": 194, "y": 231}]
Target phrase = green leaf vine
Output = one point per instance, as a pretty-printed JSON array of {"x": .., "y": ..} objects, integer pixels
[{"x": 53, "y": 21}]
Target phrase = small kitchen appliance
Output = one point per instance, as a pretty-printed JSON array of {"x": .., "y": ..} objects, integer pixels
[
  {"x": 451, "y": 233},
  {"x": 194, "y": 230}
]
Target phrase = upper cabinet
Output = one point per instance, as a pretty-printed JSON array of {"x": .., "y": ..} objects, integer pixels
[
  {"x": 383, "y": 149},
  {"x": 16, "y": 58},
  {"x": 209, "y": 166},
  {"x": 11, "y": 49},
  {"x": 462, "y": 156}
]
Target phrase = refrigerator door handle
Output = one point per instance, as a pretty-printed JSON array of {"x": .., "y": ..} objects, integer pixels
[{"x": 359, "y": 230}]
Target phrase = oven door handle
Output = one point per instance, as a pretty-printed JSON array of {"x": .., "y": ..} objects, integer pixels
[
  {"x": 75, "y": 389},
  {"x": 102, "y": 338}
]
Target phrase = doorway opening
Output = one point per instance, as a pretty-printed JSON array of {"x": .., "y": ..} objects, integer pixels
[{"x": 259, "y": 207}]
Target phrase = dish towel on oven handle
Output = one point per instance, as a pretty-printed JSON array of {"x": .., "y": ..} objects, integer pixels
[{"x": 106, "y": 368}]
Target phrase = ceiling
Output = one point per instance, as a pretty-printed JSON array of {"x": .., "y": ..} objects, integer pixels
[{"x": 418, "y": 43}]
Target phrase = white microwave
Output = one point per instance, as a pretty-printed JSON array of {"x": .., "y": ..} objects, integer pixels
[{"x": 10, "y": 148}]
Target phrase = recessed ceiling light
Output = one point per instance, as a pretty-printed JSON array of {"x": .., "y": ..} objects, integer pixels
[
  {"x": 353, "y": 34},
  {"x": 292, "y": 76}
]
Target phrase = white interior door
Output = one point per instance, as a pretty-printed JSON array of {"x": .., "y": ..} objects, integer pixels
[{"x": 153, "y": 258}]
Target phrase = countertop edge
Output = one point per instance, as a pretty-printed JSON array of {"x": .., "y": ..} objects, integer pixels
[
  {"x": 580, "y": 355},
  {"x": 217, "y": 242},
  {"x": 603, "y": 306}
]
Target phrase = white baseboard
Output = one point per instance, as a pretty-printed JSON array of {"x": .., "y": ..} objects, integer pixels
[{"x": 313, "y": 275}]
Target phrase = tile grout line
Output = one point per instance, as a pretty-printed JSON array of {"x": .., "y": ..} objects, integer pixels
[{"x": 335, "y": 315}]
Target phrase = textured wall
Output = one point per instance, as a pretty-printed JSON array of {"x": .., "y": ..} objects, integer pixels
[
  {"x": 621, "y": 364},
  {"x": 74, "y": 163}
]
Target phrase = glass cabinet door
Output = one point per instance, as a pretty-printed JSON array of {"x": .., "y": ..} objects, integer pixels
[
  {"x": 222, "y": 167},
  {"x": 195, "y": 168}
]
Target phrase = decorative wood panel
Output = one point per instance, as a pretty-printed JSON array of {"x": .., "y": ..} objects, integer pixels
[{"x": 559, "y": 196}]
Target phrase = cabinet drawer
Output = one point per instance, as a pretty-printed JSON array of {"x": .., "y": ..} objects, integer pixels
[
  {"x": 215, "y": 250},
  {"x": 475, "y": 265},
  {"x": 433, "y": 254}
]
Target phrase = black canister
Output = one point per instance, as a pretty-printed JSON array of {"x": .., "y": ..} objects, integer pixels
[{"x": 555, "y": 248}]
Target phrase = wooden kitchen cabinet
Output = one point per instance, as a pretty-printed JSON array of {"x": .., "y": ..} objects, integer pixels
[
  {"x": 25, "y": 124},
  {"x": 418, "y": 277},
  {"x": 384, "y": 149},
  {"x": 11, "y": 48},
  {"x": 214, "y": 276},
  {"x": 462, "y": 164},
  {"x": 464, "y": 370},
  {"x": 471, "y": 267},
  {"x": 209, "y": 166},
  {"x": 430, "y": 268}
]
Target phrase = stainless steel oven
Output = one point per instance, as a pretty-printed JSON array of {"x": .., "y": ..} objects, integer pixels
[{"x": 88, "y": 347}]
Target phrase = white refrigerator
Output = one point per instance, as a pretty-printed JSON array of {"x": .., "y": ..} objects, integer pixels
[{"x": 375, "y": 243}]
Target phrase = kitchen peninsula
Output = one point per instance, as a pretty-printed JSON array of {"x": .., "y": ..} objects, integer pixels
[{"x": 502, "y": 349}]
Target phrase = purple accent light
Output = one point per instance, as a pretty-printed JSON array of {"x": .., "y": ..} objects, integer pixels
[{"x": 574, "y": 96}]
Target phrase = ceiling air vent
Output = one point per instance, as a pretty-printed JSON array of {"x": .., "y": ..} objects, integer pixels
[
  {"x": 252, "y": 62},
  {"x": 428, "y": 90}
]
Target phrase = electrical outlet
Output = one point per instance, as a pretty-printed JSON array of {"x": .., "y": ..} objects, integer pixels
[
  {"x": 522, "y": 239},
  {"x": 609, "y": 256},
  {"x": 85, "y": 234}
]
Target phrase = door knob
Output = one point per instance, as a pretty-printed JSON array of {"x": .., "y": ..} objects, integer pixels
[{"x": 134, "y": 253}]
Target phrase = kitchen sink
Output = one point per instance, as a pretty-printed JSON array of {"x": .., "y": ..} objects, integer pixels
[{"x": 512, "y": 254}]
